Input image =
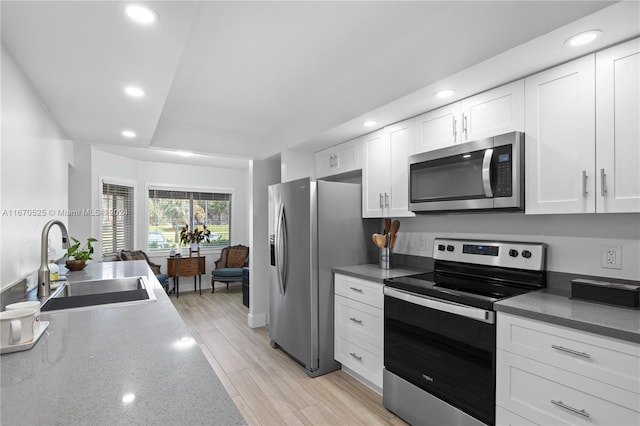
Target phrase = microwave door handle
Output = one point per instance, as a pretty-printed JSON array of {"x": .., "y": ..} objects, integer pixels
[{"x": 486, "y": 172}]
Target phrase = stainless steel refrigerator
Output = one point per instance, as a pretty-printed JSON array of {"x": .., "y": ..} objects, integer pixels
[{"x": 313, "y": 227}]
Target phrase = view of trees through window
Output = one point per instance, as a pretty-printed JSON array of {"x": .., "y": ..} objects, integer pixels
[{"x": 170, "y": 210}]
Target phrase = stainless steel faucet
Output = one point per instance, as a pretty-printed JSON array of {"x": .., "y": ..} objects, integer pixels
[{"x": 44, "y": 283}]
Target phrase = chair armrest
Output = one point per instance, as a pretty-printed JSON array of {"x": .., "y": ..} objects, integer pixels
[
  {"x": 155, "y": 268},
  {"x": 218, "y": 264}
]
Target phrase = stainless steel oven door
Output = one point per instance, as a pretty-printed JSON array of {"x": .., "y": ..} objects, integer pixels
[{"x": 442, "y": 348}]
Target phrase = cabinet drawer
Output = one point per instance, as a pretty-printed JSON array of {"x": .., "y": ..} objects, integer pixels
[
  {"x": 359, "y": 320},
  {"x": 360, "y": 357},
  {"x": 507, "y": 418},
  {"x": 187, "y": 268},
  {"x": 608, "y": 360},
  {"x": 549, "y": 395},
  {"x": 360, "y": 290}
]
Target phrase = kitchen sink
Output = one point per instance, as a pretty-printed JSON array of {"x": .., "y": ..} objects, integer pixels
[{"x": 99, "y": 292}]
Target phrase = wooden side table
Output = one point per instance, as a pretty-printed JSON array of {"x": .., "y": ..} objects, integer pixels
[{"x": 186, "y": 267}]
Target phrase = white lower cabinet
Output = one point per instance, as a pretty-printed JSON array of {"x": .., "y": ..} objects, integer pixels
[
  {"x": 548, "y": 374},
  {"x": 358, "y": 315}
]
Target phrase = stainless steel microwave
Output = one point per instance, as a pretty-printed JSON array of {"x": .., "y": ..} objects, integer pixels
[{"x": 487, "y": 174}]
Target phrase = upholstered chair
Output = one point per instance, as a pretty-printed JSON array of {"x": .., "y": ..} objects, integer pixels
[
  {"x": 228, "y": 268},
  {"x": 140, "y": 255}
]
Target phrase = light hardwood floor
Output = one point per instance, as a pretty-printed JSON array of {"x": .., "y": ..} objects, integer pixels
[{"x": 266, "y": 385}]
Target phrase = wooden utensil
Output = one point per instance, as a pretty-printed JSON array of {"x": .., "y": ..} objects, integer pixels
[
  {"x": 393, "y": 230},
  {"x": 387, "y": 225},
  {"x": 379, "y": 240}
]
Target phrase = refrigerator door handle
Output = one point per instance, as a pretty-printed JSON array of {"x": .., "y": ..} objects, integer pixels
[{"x": 281, "y": 248}]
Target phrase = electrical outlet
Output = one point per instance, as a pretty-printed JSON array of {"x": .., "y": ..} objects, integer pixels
[{"x": 612, "y": 257}]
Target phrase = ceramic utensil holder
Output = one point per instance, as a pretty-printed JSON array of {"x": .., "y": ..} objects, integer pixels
[{"x": 386, "y": 258}]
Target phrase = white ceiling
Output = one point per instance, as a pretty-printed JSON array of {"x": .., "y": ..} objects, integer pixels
[{"x": 240, "y": 80}]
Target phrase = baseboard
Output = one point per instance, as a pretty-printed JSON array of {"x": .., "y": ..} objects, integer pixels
[{"x": 256, "y": 321}]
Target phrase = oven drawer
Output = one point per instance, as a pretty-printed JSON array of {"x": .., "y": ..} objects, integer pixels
[
  {"x": 359, "y": 356},
  {"x": 608, "y": 360},
  {"x": 360, "y": 290},
  {"x": 359, "y": 320},
  {"x": 549, "y": 395}
]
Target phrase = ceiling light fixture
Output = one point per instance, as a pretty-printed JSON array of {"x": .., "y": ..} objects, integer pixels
[
  {"x": 583, "y": 38},
  {"x": 128, "y": 134},
  {"x": 134, "y": 92},
  {"x": 185, "y": 153},
  {"x": 369, "y": 123},
  {"x": 443, "y": 94},
  {"x": 141, "y": 14}
]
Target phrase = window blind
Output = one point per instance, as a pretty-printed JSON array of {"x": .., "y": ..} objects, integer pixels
[{"x": 117, "y": 218}]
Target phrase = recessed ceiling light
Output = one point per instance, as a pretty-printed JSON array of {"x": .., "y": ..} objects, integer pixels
[
  {"x": 141, "y": 14},
  {"x": 583, "y": 38},
  {"x": 134, "y": 92},
  {"x": 445, "y": 93},
  {"x": 128, "y": 133},
  {"x": 369, "y": 123}
]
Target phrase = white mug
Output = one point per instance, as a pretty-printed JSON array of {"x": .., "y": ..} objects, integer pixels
[
  {"x": 35, "y": 305},
  {"x": 16, "y": 326}
]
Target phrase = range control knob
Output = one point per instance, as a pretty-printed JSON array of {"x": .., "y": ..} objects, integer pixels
[
  {"x": 449, "y": 248},
  {"x": 441, "y": 247},
  {"x": 513, "y": 253},
  {"x": 526, "y": 254}
]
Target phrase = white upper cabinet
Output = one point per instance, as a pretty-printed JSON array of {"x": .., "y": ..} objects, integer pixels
[
  {"x": 494, "y": 112},
  {"x": 560, "y": 139},
  {"x": 438, "y": 128},
  {"x": 582, "y": 145},
  {"x": 342, "y": 158},
  {"x": 490, "y": 113},
  {"x": 618, "y": 128},
  {"x": 385, "y": 182}
]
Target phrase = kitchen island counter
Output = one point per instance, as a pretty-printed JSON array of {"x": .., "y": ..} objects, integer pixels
[{"x": 132, "y": 363}]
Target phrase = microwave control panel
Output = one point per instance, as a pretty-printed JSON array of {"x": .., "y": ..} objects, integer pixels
[{"x": 503, "y": 171}]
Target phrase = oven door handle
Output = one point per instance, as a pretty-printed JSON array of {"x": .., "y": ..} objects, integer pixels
[{"x": 439, "y": 305}]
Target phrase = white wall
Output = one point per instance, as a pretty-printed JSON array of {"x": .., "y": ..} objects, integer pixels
[
  {"x": 34, "y": 175},
  {"x": 575, "y": 241},
  {"x": 263, "y": 174}
]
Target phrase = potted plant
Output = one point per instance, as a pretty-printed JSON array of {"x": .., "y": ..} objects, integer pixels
[
  {"x": 77, "y": 256},
  {"x": 194, "y": 237}
]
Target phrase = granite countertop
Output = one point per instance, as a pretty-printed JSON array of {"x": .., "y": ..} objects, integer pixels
[
  {"x": 134, "y": 363},
  {"x": 556, "y": 307},
  {"x": 373, "y": 272}
]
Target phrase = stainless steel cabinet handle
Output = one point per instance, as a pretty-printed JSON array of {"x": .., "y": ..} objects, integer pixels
[
  {"x": 464, "y": 125},
  {"x": 381, "y": 204},
  {"x": 356, "y": 356},
  {"x": 356, "y": 320},
  {"x": 571, "y": 351},
  {"x": 603, "y": 183},
  {"x": 359, "y": 290},
  {"x": 584, "y": 184},
  {"x": 567, "y": 407},
  {"x": 386, "y": 199},
  {"x": 453, "y": 120}
]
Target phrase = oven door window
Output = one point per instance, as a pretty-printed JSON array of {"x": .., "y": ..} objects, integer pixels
[
  {"x": 447, "y": 355},
  {"x": 450, "y": 178}
]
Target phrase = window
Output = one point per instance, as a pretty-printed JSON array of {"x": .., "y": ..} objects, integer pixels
[
  {"x": 170, "y": 210},
  {"x": 117, "y": 218}
]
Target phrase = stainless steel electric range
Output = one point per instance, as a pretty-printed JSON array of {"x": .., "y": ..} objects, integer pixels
[{"x": 439, "y": 329}]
